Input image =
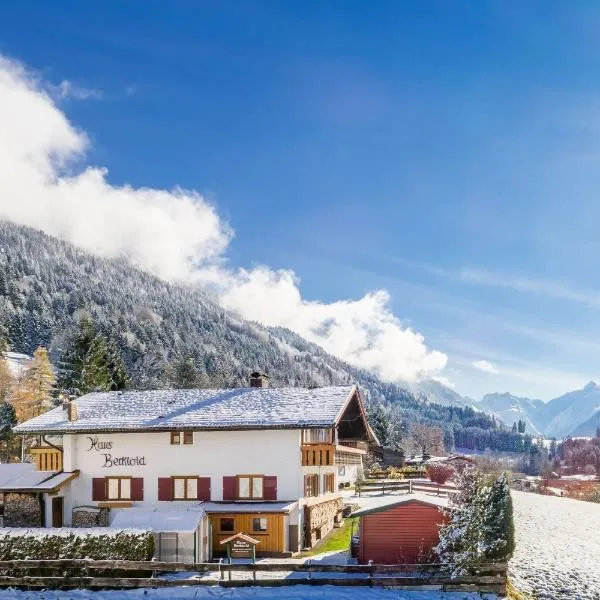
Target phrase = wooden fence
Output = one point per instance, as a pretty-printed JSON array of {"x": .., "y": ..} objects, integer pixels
[
  {"x": 108, "y": 574},
  {"x": 409, "y": 486}
]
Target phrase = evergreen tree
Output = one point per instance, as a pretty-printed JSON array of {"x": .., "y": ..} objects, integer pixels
[
  {"x": 598, "y": 432},
  {"x": 515, "y": 427},
  {"x": 8, "y": 419},
  {"x": 497, "y": 530},
  {"x": 95, "y": 372},
  {"x": 380, "y": 423},
  {"x": 459, "y": 537},
  {"x": 521, "y": 426},
  {"x": 88, "y": 365},
  {"x": 118, "y": 370},
  {"x": 185, "y": 374}
]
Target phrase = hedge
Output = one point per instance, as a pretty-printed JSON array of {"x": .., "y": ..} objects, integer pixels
[{"x": 98, "y": 543}]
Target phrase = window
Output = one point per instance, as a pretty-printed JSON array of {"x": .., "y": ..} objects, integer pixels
[
  {"x": 250, "y": 487},
  {"x": 311, "y": 485},
  {"x": 259, "y": 525},
  {"x": 185, "y": 488},
  {"x": 182, "y": 437},
  {"x": 316, "y": 436},
  {"x": 328, "y": 483},
  {"x": 227, "y": 525},
  {"x": 118, "y": 488}
]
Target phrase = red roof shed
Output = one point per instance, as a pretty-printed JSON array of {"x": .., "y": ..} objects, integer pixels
[{"x": 401, "y": 530}]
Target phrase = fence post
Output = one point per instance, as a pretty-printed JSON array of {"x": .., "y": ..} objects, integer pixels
[
  {"x": 371, "y": 573},
  {"x": 410, "y": 486},
  {"x": 221, "y": 572},
  {"x": 308, "y": 563}
]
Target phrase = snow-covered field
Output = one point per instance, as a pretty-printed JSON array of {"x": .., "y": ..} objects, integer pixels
[
  {"x": 558, "y": 547},
  {"x": 298, "y": 592}
]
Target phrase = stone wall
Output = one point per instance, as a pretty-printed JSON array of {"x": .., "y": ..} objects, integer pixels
[
  {"x": 90, "y": 516},
  {"x": 320, "y": 518},
  {"x": 22, "y": 510}
]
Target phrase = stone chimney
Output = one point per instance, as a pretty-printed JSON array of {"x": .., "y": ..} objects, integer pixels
[
  {"x": 259, "y": 380},
  {"x": 72, "y": 414}
]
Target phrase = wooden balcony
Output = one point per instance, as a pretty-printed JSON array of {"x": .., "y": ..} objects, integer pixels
[
  {"x": 317, "y": 455},
  {"x": 47, "y": 459}
]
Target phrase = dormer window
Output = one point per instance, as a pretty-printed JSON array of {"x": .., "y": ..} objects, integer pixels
[{"x": 182, "y": 437}]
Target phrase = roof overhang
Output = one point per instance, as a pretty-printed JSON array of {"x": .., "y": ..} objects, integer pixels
[
  {"x": 50, "y": 485},
  {"x": 356, "y": 393}
]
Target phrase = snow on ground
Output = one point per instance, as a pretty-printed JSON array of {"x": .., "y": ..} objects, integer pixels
[
  {"x": 557, "y": 554},
  {"x": 298, "y": 592}
]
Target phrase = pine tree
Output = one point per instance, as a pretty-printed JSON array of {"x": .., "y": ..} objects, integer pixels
[
  {"x": 521, "y": 426},
  {"x": 497, "y": 530},
  {"x": 598, "y": 432},
  {"x": 185, "y": 374},
  {"x": 458, "y": 546},
  {"x": 118, "y": 370},
  {"x": 8, "y": 419},
  {"x": 380, "y": 423},
  {"x": 95, "y": 371},
  {"x": 515, "y": 427}
]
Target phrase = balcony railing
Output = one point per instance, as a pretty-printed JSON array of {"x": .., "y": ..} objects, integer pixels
[
  {"x": 47, "y": 459},
  {"x": 318, "y": 455}
]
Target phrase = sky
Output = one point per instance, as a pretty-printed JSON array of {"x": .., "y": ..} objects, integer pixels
[{"x": 412, "y": 185}]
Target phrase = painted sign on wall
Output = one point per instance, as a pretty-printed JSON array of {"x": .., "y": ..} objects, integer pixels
[{"x": 100, "y": 446}]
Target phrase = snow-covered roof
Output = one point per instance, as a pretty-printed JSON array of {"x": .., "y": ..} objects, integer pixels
[
  {"x": 165, "y": 521},
  {"x": 17, "y": 362},
  {"x": 25, "y": 476},
  {"x": 381, "y": 503},
  {"x": 252, "y": 507},
  {"x": 163, "y": 410}
]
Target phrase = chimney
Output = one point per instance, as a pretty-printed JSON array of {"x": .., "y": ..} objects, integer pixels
[
  {"x": 259, "y": 380},
  {"x": 72, "y": 412}
]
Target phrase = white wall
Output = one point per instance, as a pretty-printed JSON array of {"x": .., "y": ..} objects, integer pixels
[{"x": 214, "y": 454}]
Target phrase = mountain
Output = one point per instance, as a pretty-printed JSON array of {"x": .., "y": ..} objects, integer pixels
[
  {"x": 589, "y": 427},
  {"x": 511, "y": 409},
  {"x": 574, "y": 413},
  {"x": 437, "y": 392},
  {"x": 566, "y": 413},
  {"x": 47, "y": 285}
]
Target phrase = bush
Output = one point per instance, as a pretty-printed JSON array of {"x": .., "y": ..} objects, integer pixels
[
  {"x": 95, "y": 543},
  {"x": 439, "y": 473}
]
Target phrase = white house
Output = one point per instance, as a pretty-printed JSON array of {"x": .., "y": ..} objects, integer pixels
[{"x": 200, "y": 465}]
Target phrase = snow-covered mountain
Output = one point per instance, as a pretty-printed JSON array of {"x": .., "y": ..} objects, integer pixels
[
  {"x": 435, "y": 391},
  {"x": 574, "y": 413},
  {"x": 511, "y": 409}
]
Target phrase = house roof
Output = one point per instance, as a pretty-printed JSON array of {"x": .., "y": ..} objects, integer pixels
[
  {"x": 161, "y": 521},
  {"x": 165, "y": 410},
  {"x": 248, "y": 507},
  {"x": 24, "y": 477},
  {"x": 383, "y": 503}
]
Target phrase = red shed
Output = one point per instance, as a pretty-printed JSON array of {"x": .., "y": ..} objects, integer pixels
[{"x": 401, "y": 529}]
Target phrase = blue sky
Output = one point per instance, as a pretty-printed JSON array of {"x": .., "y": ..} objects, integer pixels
[{"x": 444, "y": 151}]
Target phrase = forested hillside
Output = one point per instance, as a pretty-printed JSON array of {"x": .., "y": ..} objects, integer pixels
[{"x": 158, "y": 334}]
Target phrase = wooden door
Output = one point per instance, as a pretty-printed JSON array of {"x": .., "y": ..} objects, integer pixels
[{"x": 57, "y": 511}]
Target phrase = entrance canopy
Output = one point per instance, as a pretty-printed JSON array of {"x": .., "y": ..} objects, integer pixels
[{"x": 159, "y": 521}]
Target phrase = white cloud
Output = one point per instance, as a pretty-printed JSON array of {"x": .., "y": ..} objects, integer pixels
[
  {"x": 175, "y": 234},
  {"x": 486, "y": 366},
  {"x": 67, "y": 89}
]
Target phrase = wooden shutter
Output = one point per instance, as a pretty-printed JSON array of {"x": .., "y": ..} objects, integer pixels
[
  {"x": 137, "y": 489},
  {"x": 165, "y": 488},
  {"x": 229, "y": 488},
  {"x": 270, "y": 487},
  {"x": 98, "y": 489},
  {"x": 204, "y": 488},
  {"x": 306, "y": 486}
]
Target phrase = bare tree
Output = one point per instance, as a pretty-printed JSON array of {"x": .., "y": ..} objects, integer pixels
[{"x": 425, "y": 440}]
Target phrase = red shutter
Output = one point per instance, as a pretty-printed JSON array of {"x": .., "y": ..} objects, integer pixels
[
  {"x": 137, "y": 489},
  {"x": 204, "y": 488},
  {"x": 165, "y": 488},
  {"x": 229, "y": 488},
  {"x": 98, "y": 489},
  {"x": 270, "y": 487}
]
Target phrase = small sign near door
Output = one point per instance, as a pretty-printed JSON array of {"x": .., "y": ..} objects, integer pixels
[{"x": 240, "y": 545}]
